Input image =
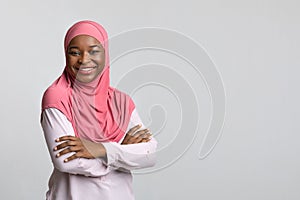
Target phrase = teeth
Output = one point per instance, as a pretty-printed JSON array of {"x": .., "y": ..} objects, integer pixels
[{"x": 87, "y": 69}]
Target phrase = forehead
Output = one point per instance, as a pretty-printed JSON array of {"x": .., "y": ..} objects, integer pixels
[{"x": 84, "y": 40}]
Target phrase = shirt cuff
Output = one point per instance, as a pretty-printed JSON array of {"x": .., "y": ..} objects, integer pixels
[{"x": 111, "y": 153}]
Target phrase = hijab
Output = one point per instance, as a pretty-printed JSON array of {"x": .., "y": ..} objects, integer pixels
[{"x": 96, "y": 110}]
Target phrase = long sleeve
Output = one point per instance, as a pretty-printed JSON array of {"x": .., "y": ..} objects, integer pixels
[
  {"x": 131, "y": 156},
  {"x": 55, "y": 125}
]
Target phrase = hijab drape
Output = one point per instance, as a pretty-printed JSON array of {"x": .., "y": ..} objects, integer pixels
[{"x": 97, "y": 111}]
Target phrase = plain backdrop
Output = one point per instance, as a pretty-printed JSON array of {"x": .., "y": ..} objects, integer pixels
[{"x": 255, "y": 46}]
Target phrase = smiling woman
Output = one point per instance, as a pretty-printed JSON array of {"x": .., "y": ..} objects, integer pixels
[{"x": 93, "y": 132}]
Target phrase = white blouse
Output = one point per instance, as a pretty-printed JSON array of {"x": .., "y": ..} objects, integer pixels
[{"x": 93, "y": 179}]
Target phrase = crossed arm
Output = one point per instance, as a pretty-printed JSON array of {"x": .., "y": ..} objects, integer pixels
[{"x": 78, "y": 156}]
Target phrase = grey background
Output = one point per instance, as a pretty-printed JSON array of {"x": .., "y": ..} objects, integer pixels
[{"x": 255, "y": 46}]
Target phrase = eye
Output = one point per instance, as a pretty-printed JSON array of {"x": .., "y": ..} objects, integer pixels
[
  {"x": 74, "y": 53},
  {"x": 93, "y": 52}
]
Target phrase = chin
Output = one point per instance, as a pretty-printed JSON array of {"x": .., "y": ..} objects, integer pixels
[{"x": 85, "y": 79}]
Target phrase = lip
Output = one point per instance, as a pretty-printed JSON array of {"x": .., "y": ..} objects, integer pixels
[{"x": 85, "y": 70}]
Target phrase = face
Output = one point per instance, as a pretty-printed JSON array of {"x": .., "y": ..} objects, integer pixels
[{"x": 85, "y": 58}]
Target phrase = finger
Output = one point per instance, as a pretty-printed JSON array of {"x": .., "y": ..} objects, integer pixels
[
  {"x": 134, "y": 140},
  {"x": 134, "y": 129},
  {"x": 66, "y": 137},
  {"x": 137, "y": 138},
  {"x": 79, "y": 154},
  {"x": 144, "y": 140},
  {"x": 141, "y": 132},
  {"x": 125, "y": 140},
  {"x": 129, "y": 134},
  {"x": 69, "y": 150},
  {"x": 74, "y": 156},
  {"x": 147, "y": 136},
  {"x": 64, "y": 144}
]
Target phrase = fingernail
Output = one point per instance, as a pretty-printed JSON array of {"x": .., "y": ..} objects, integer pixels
[
  {"x": 55, "y": 148},
  {"x": 66, "y": 160},
  {"x": 57, "y": 140}
]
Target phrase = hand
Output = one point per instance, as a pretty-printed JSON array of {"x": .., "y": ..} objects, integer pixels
[
  {"x": 82, "y": 148},
  {"x": 134, "y": 135}
]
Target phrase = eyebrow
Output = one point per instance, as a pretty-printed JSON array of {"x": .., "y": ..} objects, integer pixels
[{"x": 92, "y": 46}]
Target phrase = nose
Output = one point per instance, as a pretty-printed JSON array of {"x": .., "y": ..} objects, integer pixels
[{"x": 85, "y": 58}]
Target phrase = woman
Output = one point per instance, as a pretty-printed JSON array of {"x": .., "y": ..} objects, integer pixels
[{"x": 93, "y": 131}]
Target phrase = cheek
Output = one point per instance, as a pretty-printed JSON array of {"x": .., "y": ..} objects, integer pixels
[
  {"x": 70, "y": 61},
  {"x": 100, "y": 61}
]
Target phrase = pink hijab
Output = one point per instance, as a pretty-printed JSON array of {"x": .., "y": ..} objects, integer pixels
[{"x": 97, "y": 111}]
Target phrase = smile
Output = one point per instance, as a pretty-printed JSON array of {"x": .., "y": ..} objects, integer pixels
[{"x": 85, "y": 70}]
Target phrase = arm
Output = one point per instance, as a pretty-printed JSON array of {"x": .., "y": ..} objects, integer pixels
[
  {"x": 131, "y": 156},
  {"x": 55, "y": 125}
]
